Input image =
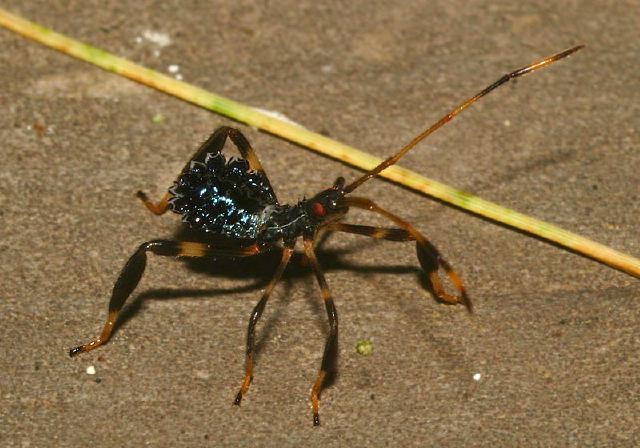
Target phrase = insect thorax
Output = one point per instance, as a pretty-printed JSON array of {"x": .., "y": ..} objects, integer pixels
[
  {"x": 286, "y": 223},
  {"x": 222, "y": 197}
]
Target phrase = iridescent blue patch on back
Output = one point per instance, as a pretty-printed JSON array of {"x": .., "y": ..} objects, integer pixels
[{"x": 222, "y": 197}]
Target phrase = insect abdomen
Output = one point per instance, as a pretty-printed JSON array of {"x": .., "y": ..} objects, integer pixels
[{"x": 222, "y": 197}]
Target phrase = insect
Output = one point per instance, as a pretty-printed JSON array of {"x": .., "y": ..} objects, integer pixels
[{"x": 232, "y": 205}]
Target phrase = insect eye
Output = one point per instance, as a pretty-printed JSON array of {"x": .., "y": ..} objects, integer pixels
[{"x": 318, "y": 209}]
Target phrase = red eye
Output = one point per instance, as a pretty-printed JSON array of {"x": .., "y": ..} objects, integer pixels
[{"x": 318, "y": 209}]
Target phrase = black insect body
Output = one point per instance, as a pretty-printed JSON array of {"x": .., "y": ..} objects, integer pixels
[
  {"x": 231, "y": 199},
  {"x": 234, "y": 199},
  {"x": 221, "y": 197}
]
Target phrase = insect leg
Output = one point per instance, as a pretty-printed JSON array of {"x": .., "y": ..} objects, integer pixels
[
  {"x": 213, "y": 145},
  {"x": 429, "y": 257},
  {"x": 157, "y": 208},
  {"x": 241, "y": 142},
  {"x": 331, "y": 345},
  {"x": 379, "y": 233},
  {"x": 134, "y": 268},
  {"x": 253, "y": 320}
]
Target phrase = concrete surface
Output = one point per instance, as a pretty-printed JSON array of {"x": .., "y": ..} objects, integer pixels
[{"x": 554, "y": 338}]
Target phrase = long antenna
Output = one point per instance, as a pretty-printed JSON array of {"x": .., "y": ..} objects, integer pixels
[{"x": 515, "y": 74}]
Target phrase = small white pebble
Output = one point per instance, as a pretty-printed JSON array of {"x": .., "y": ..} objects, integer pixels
[
  {"x": 178, "y": 76},
  {"x": 158, "y": 38},
  {"x": 327, "y": 68},
  {"x": 477, "y": 376},
  {"x": 173, "y": 68},
  {"x": 138, "y": 40},
  {"x": 91, "y": 370},
  {"x": 507, "y": 123},
  {"x": 202, "y": 375}
]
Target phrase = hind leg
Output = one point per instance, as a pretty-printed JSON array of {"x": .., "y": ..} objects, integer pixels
[
  {"x": 134, "y": 268},
  {"x": 213, "y": 145}
]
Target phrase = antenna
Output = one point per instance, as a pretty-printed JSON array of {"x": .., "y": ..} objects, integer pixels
[{"x": 409, "y": 146}]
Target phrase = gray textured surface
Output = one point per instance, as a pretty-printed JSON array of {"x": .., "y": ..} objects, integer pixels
[{"x": 555, "y": 336}]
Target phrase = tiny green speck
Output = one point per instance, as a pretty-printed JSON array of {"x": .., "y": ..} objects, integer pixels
[
  {"x": 364, "y": 347},
  {"x": 158, "y": 118}
]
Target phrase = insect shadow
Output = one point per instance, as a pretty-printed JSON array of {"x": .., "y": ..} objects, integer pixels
[{"x": 258, "y": 271}]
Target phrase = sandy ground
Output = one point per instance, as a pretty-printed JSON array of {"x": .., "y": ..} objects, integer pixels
[{"x": 554, "y": 338}]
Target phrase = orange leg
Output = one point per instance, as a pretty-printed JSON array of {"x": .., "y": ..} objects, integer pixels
[
  {"x": 429, "y": 257},
  {"x": 253, "y": 320},
  {"x": 134, "y": 268},
  {"x": 213, "y": 145},
  {"x": 331, "y": 345},
  {"x": 379, "y": 233},
  {"x": 157, "y": 208},
  {"x": 216, "y": 141}
]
